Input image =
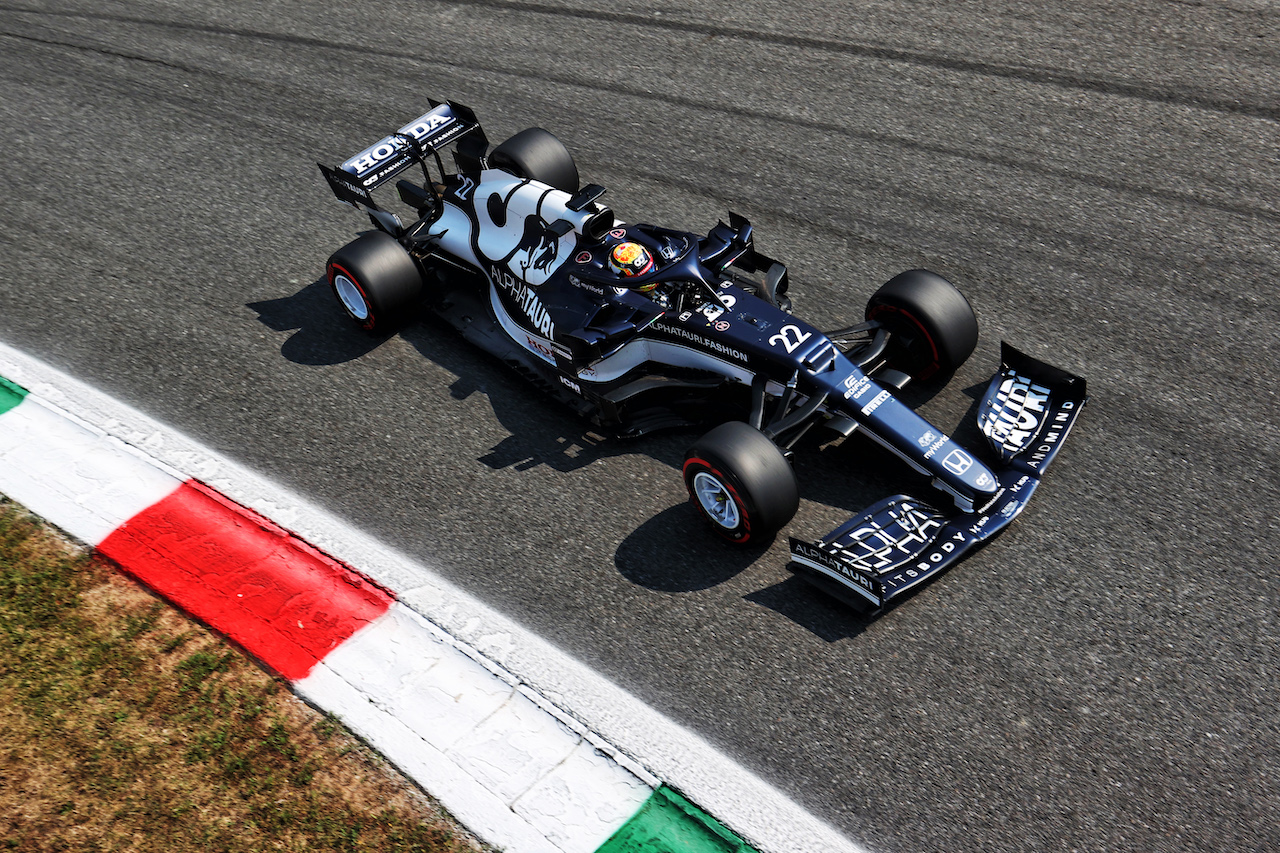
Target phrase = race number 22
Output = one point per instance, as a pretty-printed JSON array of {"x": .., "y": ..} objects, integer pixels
[{"x": 789, "y": 337}]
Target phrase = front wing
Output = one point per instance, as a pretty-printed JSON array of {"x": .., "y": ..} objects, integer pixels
[{"x": 1026, "y": 413}]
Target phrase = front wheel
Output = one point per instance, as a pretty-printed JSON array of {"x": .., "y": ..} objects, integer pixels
[
  {"x": 376, "y": 281},
  {"x": 740, "y": 482},
  {"x": 932, "y": 324}
]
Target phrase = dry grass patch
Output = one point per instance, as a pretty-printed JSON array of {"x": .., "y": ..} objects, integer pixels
[{"x": 124, "y": 726}]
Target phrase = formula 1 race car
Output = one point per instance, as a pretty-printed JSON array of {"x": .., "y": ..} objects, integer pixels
[{"x": 639, "y": 327}]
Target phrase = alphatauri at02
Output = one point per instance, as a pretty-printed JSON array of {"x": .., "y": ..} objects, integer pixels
[{"x": 639, "y": 327}]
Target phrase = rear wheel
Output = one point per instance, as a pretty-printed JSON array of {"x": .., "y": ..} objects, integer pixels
[
  {"x": 933, "y": 325},
  {"x": 375, "y": 281},
  {"x": 538, "y": 155},
  {"x": 740, "y": 482}
]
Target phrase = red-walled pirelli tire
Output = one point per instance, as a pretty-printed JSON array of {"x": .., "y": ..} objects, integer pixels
[
  {"x": 375, "y": 281},
  {"x": 740, "y": 482},
  {"x": 934, "y": 327}
]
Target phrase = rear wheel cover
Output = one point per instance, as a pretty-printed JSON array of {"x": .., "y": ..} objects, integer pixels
[{"x": 351, "y": 296}]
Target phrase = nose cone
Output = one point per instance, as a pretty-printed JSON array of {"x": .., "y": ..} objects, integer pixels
[
  {"x": 978, "y": 478},
  {"x": 956, "y": 467}
]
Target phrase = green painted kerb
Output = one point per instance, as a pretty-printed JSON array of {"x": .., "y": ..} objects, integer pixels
[
  {"x": 668, "y": 823},
  {"x": 10, "y": 395}
]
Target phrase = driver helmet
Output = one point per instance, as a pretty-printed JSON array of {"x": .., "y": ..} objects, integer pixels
[{"x": 631, "y": 259}]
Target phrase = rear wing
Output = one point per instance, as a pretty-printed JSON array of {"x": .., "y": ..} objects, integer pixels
[{"x": 355, "y": 180}]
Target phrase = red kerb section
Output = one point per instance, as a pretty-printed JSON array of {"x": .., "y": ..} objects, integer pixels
[{"x": 285, "y": 602}]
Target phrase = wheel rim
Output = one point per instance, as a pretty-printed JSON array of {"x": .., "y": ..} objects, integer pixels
[
  {"x": 715, "y": 500},
  {"x": 351, "y": 297}
]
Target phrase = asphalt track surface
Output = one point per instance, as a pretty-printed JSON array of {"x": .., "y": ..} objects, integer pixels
[{"x": 1101, "y": 179}]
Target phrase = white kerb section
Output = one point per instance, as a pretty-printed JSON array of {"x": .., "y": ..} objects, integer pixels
[
  {"x": 493, "y": 753},
  {"x": 61, "y": 468}
]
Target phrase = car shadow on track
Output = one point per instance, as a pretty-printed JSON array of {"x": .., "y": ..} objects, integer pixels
[
  {"x": 542, "y": 431},
  {"x": 541, "y": 434},
  {"x": 819, "y": 614},
  {"x": 673, "y": 552},
  {"x": 322, "y": 335},
  {"x": 650, "y": 557},
  {"x": 676, "y": 551}
]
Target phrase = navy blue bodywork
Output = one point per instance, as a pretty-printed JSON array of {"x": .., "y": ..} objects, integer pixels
[{"x": 706, "y": 336}]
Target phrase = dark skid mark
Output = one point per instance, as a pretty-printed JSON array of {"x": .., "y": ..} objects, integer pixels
[
  {"x": 1186, "y": 97},
  {"x": 1263, "y": 111},
  {"x": 1031, "y": 74}
]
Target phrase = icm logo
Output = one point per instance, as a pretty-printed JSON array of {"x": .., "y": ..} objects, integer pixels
[{"x": 957, "y": 462}]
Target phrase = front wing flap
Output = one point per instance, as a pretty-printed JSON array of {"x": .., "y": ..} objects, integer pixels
[{"x": 1026, "y": 413}]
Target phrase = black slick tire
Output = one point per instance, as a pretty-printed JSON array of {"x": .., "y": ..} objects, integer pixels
[
  {"x": 538, "y": 155},
  {"x": 375, "y": 281},
  {"x": 934, "y": 326},
  {"x": 740, "y": 482}
]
